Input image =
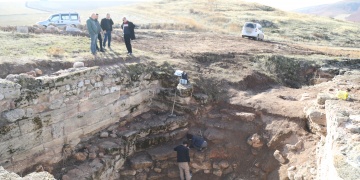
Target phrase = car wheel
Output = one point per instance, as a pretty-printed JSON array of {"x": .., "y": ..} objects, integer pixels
[
  {"x": 73, "y": 25},
  {"x": 243, "y": 36}
]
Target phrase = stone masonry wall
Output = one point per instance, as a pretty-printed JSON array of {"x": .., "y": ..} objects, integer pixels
[
  {"x": 39, "y": 116},
  {"x": 339, "y": 151}
]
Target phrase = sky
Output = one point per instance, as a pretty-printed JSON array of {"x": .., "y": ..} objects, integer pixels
[{"x": 281, "y": 4}]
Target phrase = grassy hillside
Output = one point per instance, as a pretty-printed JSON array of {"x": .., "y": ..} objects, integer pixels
[{"x": 227, "y": 17}]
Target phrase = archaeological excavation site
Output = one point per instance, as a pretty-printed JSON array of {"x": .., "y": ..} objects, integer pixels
[
  {"x": 270, "y": 117},
  {"x": 285, "y": 108}
]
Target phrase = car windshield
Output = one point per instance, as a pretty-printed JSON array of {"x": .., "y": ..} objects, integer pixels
[{"x": 250, "y": 25}]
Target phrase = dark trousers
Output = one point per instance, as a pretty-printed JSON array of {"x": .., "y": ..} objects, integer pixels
[
  {"x": 100, "y": 42},
  {"x": 128, "y": 42},
  {"x": 107, "y": 36}
]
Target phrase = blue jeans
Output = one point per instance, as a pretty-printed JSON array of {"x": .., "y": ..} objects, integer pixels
[
  {"x": 93, "y": 43},
  {"x": 107, "y": 36}
]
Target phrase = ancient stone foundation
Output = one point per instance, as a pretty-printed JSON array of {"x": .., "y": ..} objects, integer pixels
[{"x": 41, "y": 116}]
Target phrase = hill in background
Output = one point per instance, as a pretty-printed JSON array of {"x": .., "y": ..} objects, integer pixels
[{"x": 346, "y": 10}]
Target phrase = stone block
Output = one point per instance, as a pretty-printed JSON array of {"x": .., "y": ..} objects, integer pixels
[
  {"x": 57, "y": 130},
  {"x": 217, "y": 172},
  {"x": 317, "y": 116},
  {"x": 129, "y": 172},
  {"x": 9, "y": 89},
  {"x": 13, "y": 115},
  {"x": 202, "y": 165},
  {"x": 9, "y": 131},
  {"x": 141, "y": 162},
  {"x": 246, "y": 116},
  {"x": 162, "y": 153}
]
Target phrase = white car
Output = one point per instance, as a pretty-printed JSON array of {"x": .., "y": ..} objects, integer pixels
[
  {"x": 62, "y": 19},
  {"x": 253, "y": 30}
]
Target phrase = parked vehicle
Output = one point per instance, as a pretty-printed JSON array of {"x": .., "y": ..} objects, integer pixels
[
  {"x": 62, "y": 19},
  {"x": 253, "y": 30}
]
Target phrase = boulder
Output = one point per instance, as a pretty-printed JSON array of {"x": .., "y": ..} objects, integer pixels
[
  {"x": 78, "y": 65},
  {"x": 38, "y": 72},
  {"x": 13, "y": 115},
  {"x": 279, "y": 157},
  {"x": 141, "y": 162},
  {"x": 80, "y": 156},
  {"x": 316, "y": 115},
  {"x": 224, "y": 164},
  {"x": 217, "y": 172},
  {"x": 104, "y": 134}
]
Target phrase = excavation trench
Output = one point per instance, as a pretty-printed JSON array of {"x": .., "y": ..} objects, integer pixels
[{"x": 114, "y": 121}]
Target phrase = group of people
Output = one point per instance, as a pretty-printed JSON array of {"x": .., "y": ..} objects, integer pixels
[
  {"x": 96, "y": 30},
  {"x": 183, "y": 156}
]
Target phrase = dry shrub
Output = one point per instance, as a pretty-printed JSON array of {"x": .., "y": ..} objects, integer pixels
[
  {"x": 233, "y": 27},
  {"x": 191, "y": 24},
  {"x": 55, "y": 52}
]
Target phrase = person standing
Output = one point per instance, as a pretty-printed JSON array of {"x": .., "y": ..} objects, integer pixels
[
  {"x": 196, "y": 141},
  {"x": 183, "y": 159},
  {"x": 106, "y": 25},
  {"x": 93, "y": 32},
  {"x": 99, "y": 34},
  {"x": 129, "y": 34}
]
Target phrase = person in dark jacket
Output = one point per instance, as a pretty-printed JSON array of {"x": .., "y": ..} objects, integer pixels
[
  {"x": 129, "y": 34},
  {"x": 93, "y": 32},
  {"x": 106, "y": 25},
  {"x": 197, "y": 142},
  {"x": 183, "y": 159},
  {"x": 99, "y": 34}
]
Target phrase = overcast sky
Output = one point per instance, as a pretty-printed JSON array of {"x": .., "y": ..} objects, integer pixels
[{"x": 281, "y": 4}]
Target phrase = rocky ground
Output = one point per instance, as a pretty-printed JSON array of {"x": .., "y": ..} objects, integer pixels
[{"x": 253, "y": 101}]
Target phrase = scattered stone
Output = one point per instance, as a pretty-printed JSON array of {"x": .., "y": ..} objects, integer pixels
[
  {"x": 224, "y": 164},
  {"x": 304, "y": 97},
  {"x": 207, "y": 171},
  {"x": 104, "y": 134},
  {"x": 202, "y": 98},
  {"x": 31, "y": 73},
  {"x": 101, "y": 154},
  {"x": 158, "y": 170},
  {"x": 255, "y": 141},
  {"x": 78, "y": 65},
  {"x": 80, "y": 156},
  {"x": 199, "y": 156},
  {"x": 228, "y": 170},
  {"x": 246, "y": 116},
  {"x": 173, "y": 172},
  {"x": 141, "y": 176},
  {"x": 128, "y": 172},
  {"x": 279, "y": 157},
  {"x": 113, "y": 135},
  {"x": 92, "y": 155},
  {"x": 38, "y": 72},
  {"x": 217, "y": 172},
  {"x": 1, "y": 96}
]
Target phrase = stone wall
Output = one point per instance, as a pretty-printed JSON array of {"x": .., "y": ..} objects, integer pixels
[
  {"x": 39, "y": 116},
  {"x": 339, "y": 152}
]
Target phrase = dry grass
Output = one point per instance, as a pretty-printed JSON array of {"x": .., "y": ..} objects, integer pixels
[{"x": 336, "y": 51}]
